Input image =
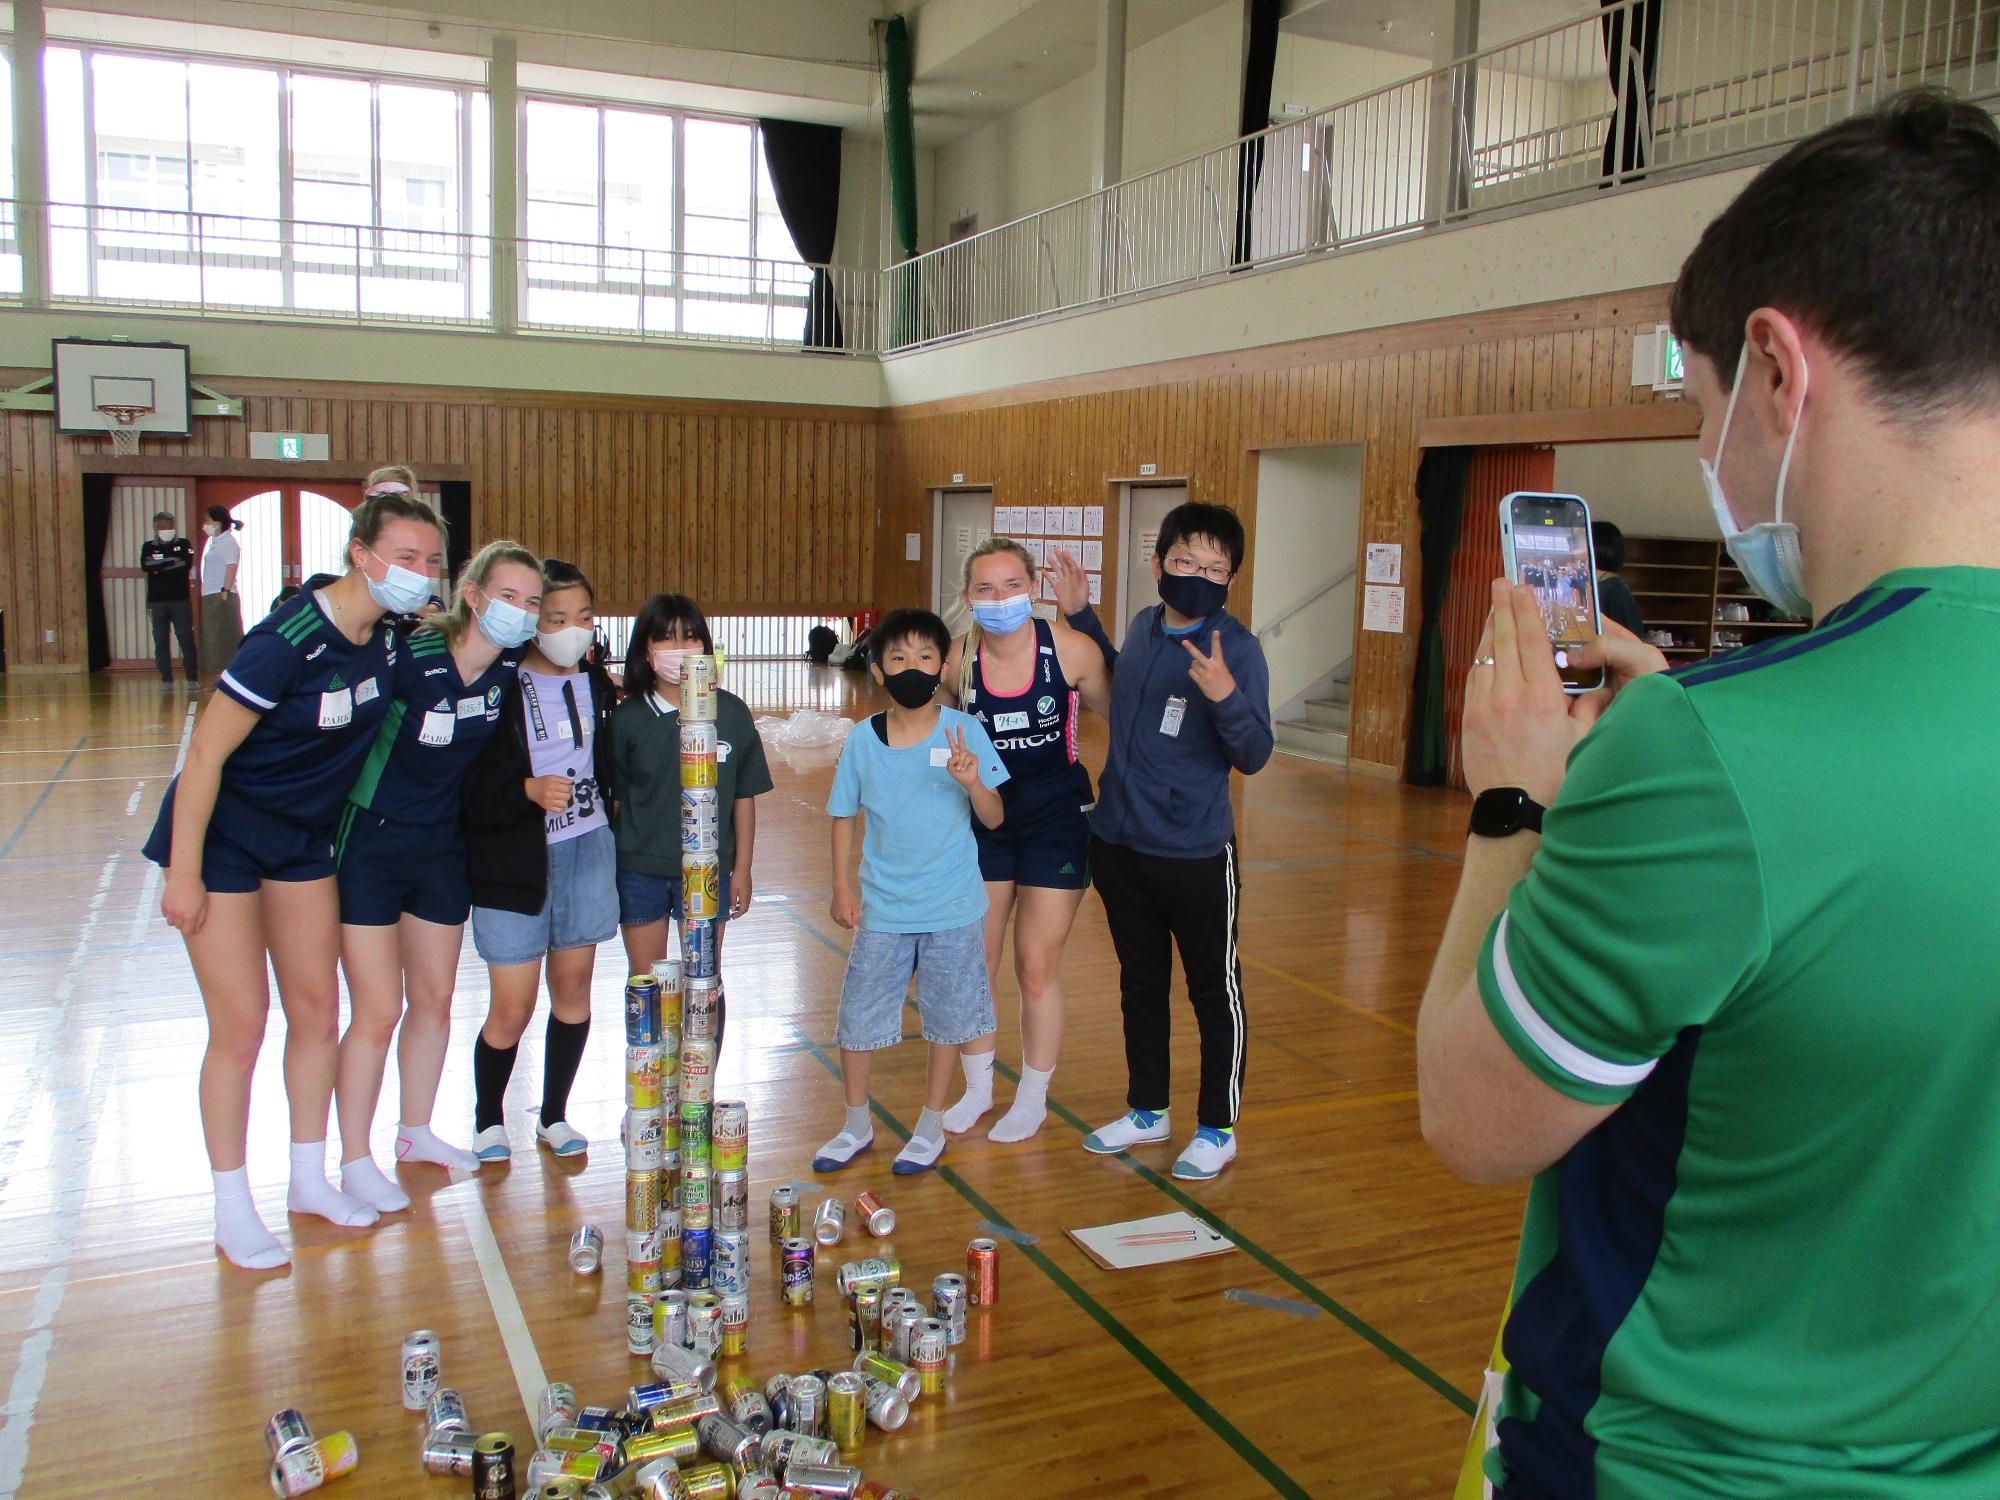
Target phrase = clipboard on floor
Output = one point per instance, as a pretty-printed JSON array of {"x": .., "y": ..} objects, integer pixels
[{"x": 1157, "y": 1241}]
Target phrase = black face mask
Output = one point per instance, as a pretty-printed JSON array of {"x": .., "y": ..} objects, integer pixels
[
  {"x": 1191, "y": 594},
  {"x": 912, "y": 687}
]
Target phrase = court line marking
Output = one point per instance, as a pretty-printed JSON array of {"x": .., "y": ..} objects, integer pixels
[
  {"x": 36, "y": 806},
  {"x": 1326, "y": 994},
  {"x": 519, "y": 1343},
  {"x": 1267, "y": 1469},
  {"x": 1353, "y": 1321}
]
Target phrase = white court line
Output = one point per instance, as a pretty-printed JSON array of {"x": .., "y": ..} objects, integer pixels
[{"x": 507, "y": 1313}]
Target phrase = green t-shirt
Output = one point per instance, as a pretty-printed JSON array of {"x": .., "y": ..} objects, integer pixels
[
  {"x": 646, "y": 769},
  {"x": 1766, "y": 916}
]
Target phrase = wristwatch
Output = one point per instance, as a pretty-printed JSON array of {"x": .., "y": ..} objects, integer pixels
[{"x": 1504, "y": 810}]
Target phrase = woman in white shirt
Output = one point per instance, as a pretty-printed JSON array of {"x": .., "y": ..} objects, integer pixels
[{"x": 221, "y": 605}]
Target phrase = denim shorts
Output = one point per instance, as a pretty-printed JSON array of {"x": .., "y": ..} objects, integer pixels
[
  {"x": 581, "y": 910},
  {"x": 644, "y": 898},
  {"x": 953, "y": 998}
]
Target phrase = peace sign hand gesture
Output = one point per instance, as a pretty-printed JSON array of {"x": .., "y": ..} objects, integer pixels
[
  {"x": 1210, "y": 673},
  {"x": 963, "y": 765}
]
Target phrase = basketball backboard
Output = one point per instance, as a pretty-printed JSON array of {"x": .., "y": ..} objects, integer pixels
[{"x": 93, "y": 374}]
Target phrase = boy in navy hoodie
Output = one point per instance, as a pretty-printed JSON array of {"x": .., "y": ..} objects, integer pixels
[{"x": 1190, "y": 702}]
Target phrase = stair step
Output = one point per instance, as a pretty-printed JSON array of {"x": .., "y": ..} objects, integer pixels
[
  {"x": 1313, "y": 741},
  {"x": 1328, "y": 713},
  {"x": 1337, "y": 692}
]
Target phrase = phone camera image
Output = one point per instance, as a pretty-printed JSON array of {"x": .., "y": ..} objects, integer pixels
[{"x": 1549, "y": 550}]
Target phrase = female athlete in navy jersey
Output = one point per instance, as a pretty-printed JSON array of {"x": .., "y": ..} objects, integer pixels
[
  {"x": 246, "y": 835},
  {"x": 1023, "y": 679},
  {"x": 404, "y": 892}
]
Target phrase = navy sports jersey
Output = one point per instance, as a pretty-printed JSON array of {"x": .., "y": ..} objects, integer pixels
[
  {"x": 436, "y": 724},
  {"x": 1035, "y": 731},
  {"x": 319, "y": 699}
]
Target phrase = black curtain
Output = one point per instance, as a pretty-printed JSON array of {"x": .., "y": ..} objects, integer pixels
[
  {"x": 805, "y": 174},
  {"x": 96, "y": 534},
  {"x": 1440, "y": 508},
  {"x": 1260, "y": 62},
  {"x": 1632, "y": 62},
  {"x": 455, "y": 505}
]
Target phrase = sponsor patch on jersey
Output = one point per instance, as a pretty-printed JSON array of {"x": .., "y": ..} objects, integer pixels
[{"x": 336, "y": 708}]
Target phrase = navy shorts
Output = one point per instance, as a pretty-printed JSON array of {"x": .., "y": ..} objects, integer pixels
[
  {"x": 1043, "y": 842},
  {"x": 390, "y": 869},
  {"x": 246, "y": 846},
  {"x": 644, "y": 898}
]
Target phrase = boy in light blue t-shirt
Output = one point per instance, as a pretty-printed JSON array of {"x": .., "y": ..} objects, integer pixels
[{"x": 914, "y": 770}]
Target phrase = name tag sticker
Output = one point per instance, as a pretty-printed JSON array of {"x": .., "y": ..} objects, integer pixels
[
  {"x": 437, "y": 728},
  {"x": 336, "y": 709},
  {"x": 722, "y": 750},
  {"x": 470, "y": 708},
  {"x": 1004, "y": 722},
  {"x": 366, "y": 692},
  {"x": 1170, "y": 721},
  {"x": 562, "y": 729},
  {"x": 940, "y": 757}
]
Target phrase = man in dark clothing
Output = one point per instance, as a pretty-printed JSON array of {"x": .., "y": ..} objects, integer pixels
[
  {"x": 167, "y": 561},
  {"x": 1614, "y": 595}
]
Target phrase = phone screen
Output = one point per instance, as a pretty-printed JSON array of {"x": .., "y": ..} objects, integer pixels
[{"x": 1547, "y": 543}]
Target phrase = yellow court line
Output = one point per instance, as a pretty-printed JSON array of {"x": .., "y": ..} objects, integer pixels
[{"x": 1326, "y": 994}]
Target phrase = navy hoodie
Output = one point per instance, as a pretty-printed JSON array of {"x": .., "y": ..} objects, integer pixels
[{"x": 1165, "y": 789}]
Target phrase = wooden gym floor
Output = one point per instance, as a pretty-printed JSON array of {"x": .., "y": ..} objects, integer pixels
[{"x": 138, "y": 1362}]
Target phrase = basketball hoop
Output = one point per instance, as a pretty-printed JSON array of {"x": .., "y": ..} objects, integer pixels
[{"x": 124, "y": 428}]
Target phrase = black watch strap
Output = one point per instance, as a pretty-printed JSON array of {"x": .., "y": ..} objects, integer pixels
[{"x": 1502, "y": 811}]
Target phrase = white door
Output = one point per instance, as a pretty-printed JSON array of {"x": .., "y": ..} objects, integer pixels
[
  {"x": 964, "y": 520},
  {"x": 1146, "y": 505}
]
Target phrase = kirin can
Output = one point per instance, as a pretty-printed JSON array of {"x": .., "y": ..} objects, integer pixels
[
  {"x": 639, "y": 1322},
  {"x": 642, "y": 1077},
  {"x": 948, "y": 1305},
  {"x": 697, "y": 1198},
  {"x": 982, "y": 1273},
  {"x": 287, "y": 1430},
  {"x": 697, "y": 1257},
  {"x": 699, "y": 951},
  {"x": 905, "y": 1380},
  {"x": 670, "y": 1321},
  {"x": 929, "y": 1347},
  {"x": 642, "y": 1011},
  {"x": 731, "y": 1191},
  {"x": 642, "y": 1201},
  {"x": 846, "y": 1410},
  {"x": 643, "y": 1132},
  {"x": 586, "y": 1250},
  {"x": 448, "y": 1453},
  {"x": 824, "y": 1481},
  {"x": 732, "y": 1135},
  {"x": 728, "y": 1443},
  {"x": 705, "y": 1324},
  {"x": 555, "y": 1408},
  {"x": 704, "y": 1010},
  {"x": 729, "y": 1271},
  {"x": 699, "y": 675},
  {"x": 701, "y": 875},
  {"x": 697, "y": 1078},
  {"x": 300, "y": 1471},
  {"x": 796, "y": 1261},
  {"x": 493, "y": 1476},
  {"x": 747, "y": 1405},
  {"x": 808, "y": 1393},
  {"x": 879, "y": 1218},
  {"x": 784, "y": 1447},
  {"x": 698, "y": 742},
  {"x": 830, "y": 1221},
  {"x": 420, "y": 1369},
  {"x": 688, "y": 1367},
  {"x": 864, "y": 1319},
  {"x": 668, "y": 972},
  {"x": 446, "y": 1413},
  {"x": 701, "y": 820},
  {"x": 784, "y": 1214},
  {"x": 735, "y": 1323},
  {"x": 887, "y": 1409}
]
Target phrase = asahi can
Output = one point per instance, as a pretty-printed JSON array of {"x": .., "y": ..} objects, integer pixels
[
  {"x": 697, "y": 1257},
  {"x": 658, "y": 1480},
  {"x": 786, "y": 1447},
  {"x": 830, "y": 1222},
  {"x": 642, "y": 1201},
  {"x": 668, "y": 972},
  {"x": 697, "y": 1079},
  {"x": 670, "y": 1237},
  {"x": 448, "y": 1453},
  {"x": 642, "y": 1077},
  {"x": 729, "y": 1270},
  {"x": 643, "y": 1132},
  {"x": 420, "y": 1369},
  {"x": 688, "y": 1366},
  {"x": 446, "y": 1413},
  {"x": 904, "y": 1380},
  {"x": 699, "y": 675},
  {"x": 670, "y": 1321},
  {"x": 784, "y": 1214},
  {"x": 732, "y": 1135},
  {"x": 929, "y": 1347},
  {"x": 700, "y": 954},
  {"x": 864, "y": 1319},
  {"x": 704, "y": 1010},
  {"x": 727, "y": 1443},
  {"x": 642, "y": 1011},
  {"x": 586, "y": 1250},
  {"x": 643, "y": 1244},
  {"x": 846, "y": 1410},
  {"x": 556, "y": 1407},
  {"x": 735, "y": 1324},
  {"x": 705, "y": 1324},
  {"x": 732, "y": 1200},
  {"x": 701, "y": 874},
  {"x": 808, "y": 1393},
  {"x": 287, "y": 1430},
  {"x": 948, "y": 1304},
  {"x": 796, "y": 1261},
  {"x": 493, "y": 1475},
  {"x": 824, "y": 1481},
  {"x": 747, "y": 1405},
  {"x": 880, "y": 1269},
  {"x": 899, "y": 1325},
  {"x": 698, "y": 742},
  {"x": 701, "y": 822},
  {"x": 877, "y": 1216},
  {"x": 639, "y": 1322},
  {"x": 887, "y": 1409},
  {"x": 301, "y": 1470},
  {"x": 982, "y": 1273}
]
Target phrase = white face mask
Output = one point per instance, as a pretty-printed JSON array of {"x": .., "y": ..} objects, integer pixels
[
  {"x": 565, "y": 647},
  {"x": 1767, "y": 554},
  {"x": 211, "y": 528},
  {"x": 164, "y": 533}
]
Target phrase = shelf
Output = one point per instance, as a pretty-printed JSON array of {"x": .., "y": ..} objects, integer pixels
[
  {"x": 1762, "y": 625},
  {"x": 1685, "y": 567},
  {"x": 1685, "y": 651},
  {"x": 1663, "y": 594}
]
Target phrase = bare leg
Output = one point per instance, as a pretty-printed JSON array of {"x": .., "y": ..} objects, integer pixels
[
  {"x": 1040, "y": 932},
  {"x": 976, "y": 1056},
  {"x": 645, "y": 945},
  {"x": 430, "y": 974},
  {"x": 228, "y": 959},
  {"x": 373, "y": 961}
]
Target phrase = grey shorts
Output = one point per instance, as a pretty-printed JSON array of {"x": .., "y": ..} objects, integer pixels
[
  {"x": 581, "y": 910},
  {"x": 953, "y": 998}
]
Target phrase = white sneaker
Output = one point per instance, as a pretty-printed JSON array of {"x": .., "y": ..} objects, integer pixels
[
  {"x": 1206, "y": 1155},
  {"x": 1127, "y": 1130},
  {"x": 491, "y": 1144},
  {"x": 562, "y": 1140}
]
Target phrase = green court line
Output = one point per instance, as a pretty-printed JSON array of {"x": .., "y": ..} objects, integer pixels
[
  {"x": 1352, "y": 1320},
  {"x": 1158, "y": 1368},
  {"x": 36, "y": 806}
]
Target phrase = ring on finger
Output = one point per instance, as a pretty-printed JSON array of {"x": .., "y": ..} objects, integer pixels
[{"x": 1482, "y": 661}]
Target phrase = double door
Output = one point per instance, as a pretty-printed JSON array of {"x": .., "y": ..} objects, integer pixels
[{"x": 290, "y": 532}]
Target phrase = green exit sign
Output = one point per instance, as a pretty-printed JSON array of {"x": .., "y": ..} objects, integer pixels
[
  {"x": 1676, "y": 368},
  {"x": 291, "y": 446},
  {"x": 1669, "y": 361}
]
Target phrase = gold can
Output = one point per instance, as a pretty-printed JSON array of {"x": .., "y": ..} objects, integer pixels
[
  {"x": 709, "y": 1482},
  {"x": 701, "y": 885},
  {"x": 668, "y": 972},
  {"x": 698, "y": 743},
  {"x": 642, "y": 1275},
  {"x": 642, "y": 1078},
  {"x": 642, "y": 1201},
  {"x": 846, "y": 1410},
  {"x": 698, "y": 683}
]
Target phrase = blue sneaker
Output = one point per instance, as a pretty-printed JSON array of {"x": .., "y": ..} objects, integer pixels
[
  {"x": 841, "y": 1151},
  {"x": 562, "y": 1140},
  {"x": 491, "y": 1144},
  {"x": 1139, "y": 1128},
  {"x": 1207, "y": 1154}
]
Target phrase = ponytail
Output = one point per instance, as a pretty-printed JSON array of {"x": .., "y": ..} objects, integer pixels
[{"x": 454, "y": 622}]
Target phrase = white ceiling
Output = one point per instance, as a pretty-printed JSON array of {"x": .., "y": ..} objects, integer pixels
[{"x": 1409, "y": 25}]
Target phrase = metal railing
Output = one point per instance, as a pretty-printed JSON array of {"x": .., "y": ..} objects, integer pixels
[{"x": 1532, "y": 121}]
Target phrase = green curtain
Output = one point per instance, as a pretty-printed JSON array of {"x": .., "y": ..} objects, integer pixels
[
  {"x": 1440, "y": 509},
  {"x": 899, "y": 135}
]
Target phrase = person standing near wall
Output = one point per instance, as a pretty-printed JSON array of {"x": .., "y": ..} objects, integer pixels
[
  {"x": 221, "y": 605},
  {"x": 168, "y": 561}
]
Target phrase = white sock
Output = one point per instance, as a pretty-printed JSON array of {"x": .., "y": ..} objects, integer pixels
[
  {"x": 416, "y": 1143},
  {"x": 311, "y": 1193},
  {"x": 239, "y": 1233},
  {"x": 1030, "y": 1107},
  {"x": 362, "y": 1180},
  {"x": 978, "y": 1095},
  {"x": 926, "y": 1141}
]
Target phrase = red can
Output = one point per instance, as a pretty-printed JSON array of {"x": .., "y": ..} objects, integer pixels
[{"x": 982, "y": 1272}]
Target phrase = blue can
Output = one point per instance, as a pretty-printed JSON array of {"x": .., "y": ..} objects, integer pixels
[
  {"x": 642, "y": 1011},
  {"x": 698, "y": 948},
  {"x": 730, "y": 1263},
  {"x": 701, "y": 820},
  {"x": 697, "y": 1258}
]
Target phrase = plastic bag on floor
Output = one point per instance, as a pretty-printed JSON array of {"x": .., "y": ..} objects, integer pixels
[{"x": 808, "y": 735}]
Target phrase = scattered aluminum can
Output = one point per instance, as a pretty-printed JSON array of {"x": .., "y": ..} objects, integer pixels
[
  {"x": 700, "y": 956},
  {"x": 446, "y": 1413},
  {"x": 562, "y": 1489},
  {"x": 903, "y": 1379},
  {"x": 699, "y": 676},
  {"x": 421, "y": 1353},
  {"x": 784, "y": 1214},
  {"x": 704, "y": 1005},
  {"x": 697, "y": 1076},
  {"x": 678, "y": 1444},
  {"x": 930, "y": 1345},
  {"x": 598, "y": 1419},
  {"x": 879, "y": 1269},
  {"x": 670, "y": 1321},
  {"x": 639, "y": 1322},
  {"x": 747, "y": 1405},
  {"x": 877, "y": 1216},
  {"x": 705, "y": 1324},
  {"x": 732, "y": 1135},
  {"x": 684, "y": 1366},
  {"x": 729, "y": 1273},
  {"x": 830, "y": 1222},
  {"x": 701, "y": 823},
  {"x": 728, "y": 1443},
  {"x": 642, "y": 1011},
  {"x": 840, "y": 1481},
  {"x": 864, "y": 1320},
  {"x": 784, "y": 1447},
  {"x": 757, "y": 1484},
  {"x": 796, "y": 1267},
  {"x": 580, "y": 1440},
  {"x": 287, "y": 1430},
  {"x": 685, "y": 1412},
  {"x": 658, "y": 1480},
  {"x": 301, "y": 1470},
  {"x": 808, "y": 1393},
  {"x": 732, "y": 1200},
  {"x": 493, "y": 1476},
  {"x": 556, "y": 1407},
  {"x": 899, "y": 1325},
  {"x": 709, "y": 1482},
  {"x": 846, "y": 1410},
  {"x": 670, "y": 1386},
  {"x": 448, "y": 1453},
  {"x": 643, "y": 1133},
  {"x": 642, "y": 1077},
  {"x": 701, "y": 874},
  {"x": 697, "y": 1257},
  {"x": 735, "y": 1324},
  {"x": 548, "y": 1465},
  {"x": 668, "y": 972},
  {"x": 982, "y": 1272},
  {"x": 778, "y": 1392},
  {"x": 887, "y": 1409},
  {"x": 642, "y": 1201},
  {"x": 586, "y": 1250},
  {"x": 948, "y": 1305}
]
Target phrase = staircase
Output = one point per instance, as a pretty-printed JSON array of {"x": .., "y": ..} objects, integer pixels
[{"x": 1320, "y": 730}]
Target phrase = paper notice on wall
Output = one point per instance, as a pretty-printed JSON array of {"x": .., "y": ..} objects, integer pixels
[
  {"x": 1048, "y": 585},
  {"x": 1382, "y": 609},
  {"x": 1096, "y": 588},
  {"x": 1072, "y": 520},
  {"x": 984, "y": 536},
  {"x": 1011, "y": 519},
  {"x": 913, "y": 546},
  {"x": 1093, "y": 520},
  {"x": 1148, "y": 543},
  {"x": 1036, "y": 517},
  {"x": 1038, "y": 550},
  {"x": 1385, "y": 562},
  {"x": 964, "y": 540},
  {"x": 1093, "y": 556}
]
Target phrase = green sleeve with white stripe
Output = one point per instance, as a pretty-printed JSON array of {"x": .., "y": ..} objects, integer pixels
[{"x": 1643, "y": 913}]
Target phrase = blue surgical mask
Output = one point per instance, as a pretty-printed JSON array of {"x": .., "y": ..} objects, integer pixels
[
  {"x": 507, "y": 625},
  {"x": 1004, "y": 616},
  {"x": 399, "y": 591},
  {"x": 1767, "y": 554}
]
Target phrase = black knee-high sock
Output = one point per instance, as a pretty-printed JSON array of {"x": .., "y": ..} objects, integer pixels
[
  {"x": 491, "y": 1068},
  {"x": 562, "y": 1055},
  {"x": 721, "y": 1018}
]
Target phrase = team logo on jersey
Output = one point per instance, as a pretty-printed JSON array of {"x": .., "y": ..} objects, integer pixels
[
  {"x": 493, "y": 697},
  {"x": 443, "y": 706},
  {"x": 312, "y": 654},
  {"x": 334, "y": 684},
  {"x": 1045, "y": 704},
  {"x": 433, "y": 671}
]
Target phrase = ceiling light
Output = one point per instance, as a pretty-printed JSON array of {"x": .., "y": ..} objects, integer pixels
[{"x": 978, "y": 94}]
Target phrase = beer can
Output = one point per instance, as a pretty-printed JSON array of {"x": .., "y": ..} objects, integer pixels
[
  {"x": 729, "y": 1270},
  {"x": 830, "y": 1221},
  {"x": 758, "y": 1484},
  {"x": 808, "y": 1393},
  {"x": 493, "y": 1475},
  {"x": 785, "y": 1447},
  {"x": 731, "y": 1189},
  {"x": 420, "y": 1369},
  {"x": 982, "y": 1273},
  {"x": 697, "y": 1144},
  {"x": 697, "y": 1078},
  {"x": 677, "y": 1443},
  {"x": 685, "y": 1412},
  {"x": 642, "y": 1077},
  {"x": 669, "y": 1320},
  {"x": 747, "y": 1405},
  {"x": 600, "y": 1419},
  {"x": 727, "y": 1443},
  {"x": 555, "y": 1408},
  {"x": 675, "y": 1362},
  {"x": 642, "y": 1201},
  {"x": 547, "y": 1465},
  {"x": 929, "y": 1346},
  {"x": 704, "y": 1009},
  {"x": 642, "y": 1011},
  {"x": 586, "y": 1250},
  {"x": 735, "y": 1324},
  {"x": 699, "y": 675},
  {"x": 580, "y": 1440},
  {"x": 697, "y": 1257},
  {"x": 824, "y": 1481},
  {"x": 301, "y": 1470},
  {"x": 700, "y": 953},
  {"x": 778, "y": 1392},
  {"x": 731, "y": 1125},
  {"x": 904, "y": 1380},
  {"x": 562, "y": 1489},
  {"x": 701, "y": 822},
  {"x": 948, "y": 1304},
  {"x": 643, "y": 1133},
  {"x": 878, "y": 1217},
  {"x": 784, "y": 1214},
  {"x": 698, "y": 743},
  {"x": 670, "y": 1386},
  {"x": 643, "y": 1244},
  {"x": 639, "y": 1322},
  {"x": 697, "y": 1197},
  {"x": 446, "y": 1413},
  {"x": 287, "y": 1430},
  {"x": 846, "y": 1411},
  {"x": 880, "y": 1269},
  {"x": 899, "y": 1323},
  {"x": 796, "y": 1262},
  {"x": 668, "y": 972},
  {"x": 448, "y": 1453},
  {"x": 705, "y": 1324},
  {"x": 864, "y": 1320},
  {"x": 701, "y": 874},
  {"x": 887, "y": 1409},
  {"x": 708, "y": 1482},
  {"x": 670, "y": 1236}
]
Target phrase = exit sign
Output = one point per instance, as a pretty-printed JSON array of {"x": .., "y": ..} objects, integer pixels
[
  {"x": 290, "y": 447},
  {"x": 1670, "y": 360}
]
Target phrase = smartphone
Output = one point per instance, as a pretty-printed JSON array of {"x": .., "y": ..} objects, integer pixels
[{"x": 1545, "y": 540}]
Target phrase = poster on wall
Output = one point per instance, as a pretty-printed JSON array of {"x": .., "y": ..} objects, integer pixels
[
  {"x": 1385, "y": 562},
  {"x": 1382, "y": 609},
  {"x": 1093, "y": 520}
]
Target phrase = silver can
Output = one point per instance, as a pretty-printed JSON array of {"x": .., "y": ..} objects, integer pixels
[
  {"x": 757, "y": 1484},
  {"x": 676, "y": 1363},
  {"x": 839, "y": 1481},
  {"x": 658, "y": 1480},
  {"x": 448, "y": 1453},
  {"x": 948, "y": 1304},
  {"x": 808, "y": 1395},
  {"x": 586, "y": 1250},
  {"x": 899, "y": 1326},
  {"x": 701, "y": 819},
  {"x": 732, "y": 1200},
  {"x": 670, "y": 1321},
  {"x": 705, "y": 1324},
  {"x": 556, "y": 1407},
  {"x": 287, "y": 1430},
  {"x": 645, "y": 1245},
  {"x": 643, "y": 1133},
  {"x": 446, "y": 1413},
  {"x": 887, "y": 1410},
  {"x": 639, "y": 1322},
  {"x": 728, "y": 1443},
  {"x": 729, "y": 1272},
  {"x": 830, "y": 1221},
  {"x": 421, "y": 1353},
  {"x": 697, "y": 1071},
  {"x": 784, "y": 1447},
  {"x": 699, "y": 675},
  {"x": 703, "y": 1013}
]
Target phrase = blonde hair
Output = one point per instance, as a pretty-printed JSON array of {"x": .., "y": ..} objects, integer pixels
[
  {"x": 454, "y": 622},
  {"x": 378, "y": 510},
  {"x": 969, "y": 653}
]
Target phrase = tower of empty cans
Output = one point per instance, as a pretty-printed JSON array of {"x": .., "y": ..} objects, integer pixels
[{"x": 652, "y": 1146}]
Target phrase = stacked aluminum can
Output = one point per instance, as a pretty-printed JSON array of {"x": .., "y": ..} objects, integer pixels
[{"x": 652, "y": 1157}]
